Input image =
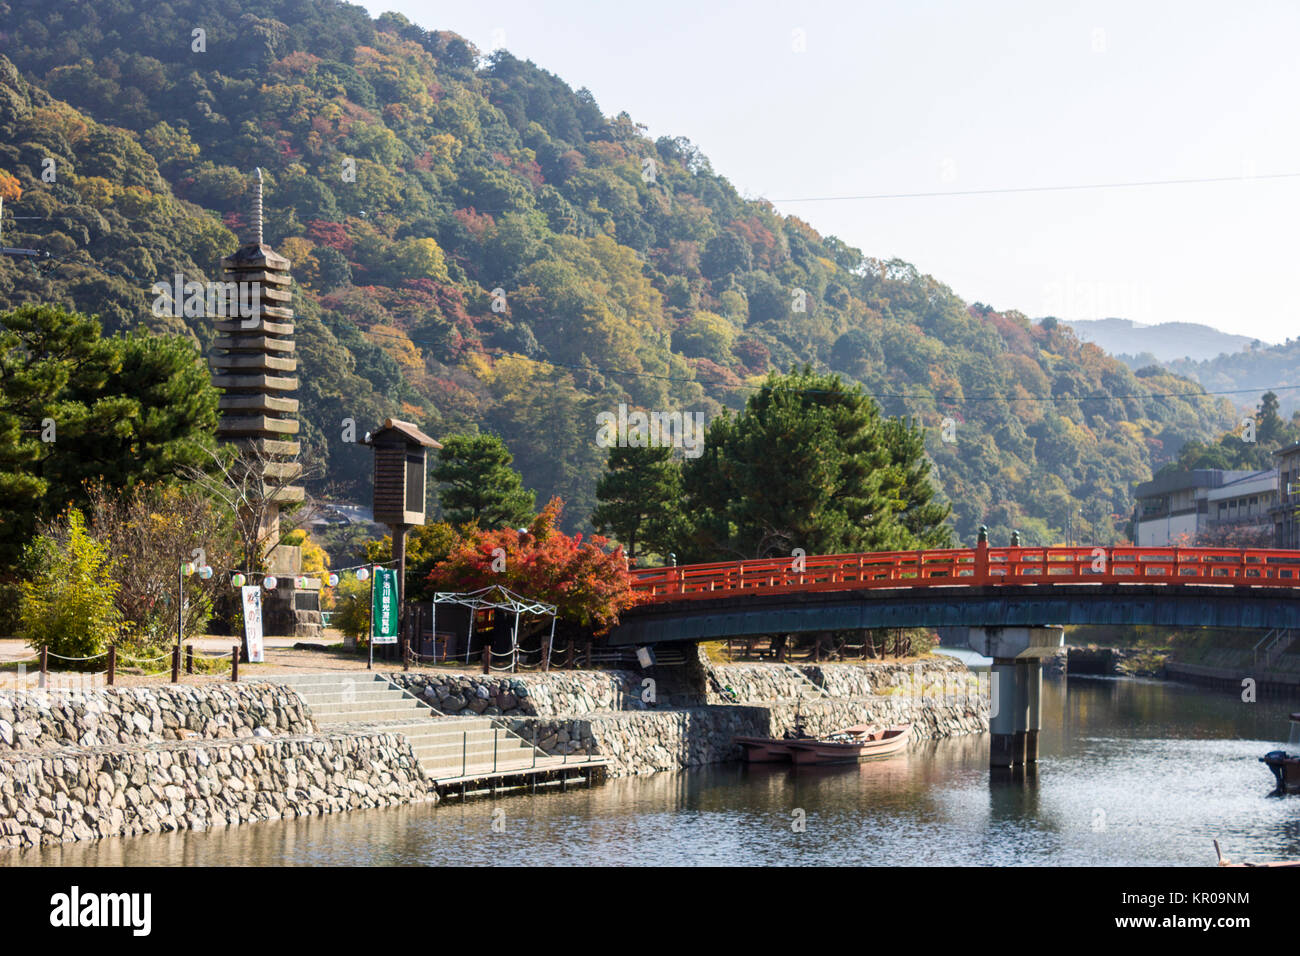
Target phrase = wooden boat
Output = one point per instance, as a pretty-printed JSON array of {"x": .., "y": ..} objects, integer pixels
[
  {"x": 851, "y": 745},
  {"x": 764, "y": 749},
  {"x": 1285, "y": 764}
]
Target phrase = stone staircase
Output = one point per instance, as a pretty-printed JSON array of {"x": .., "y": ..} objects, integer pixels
[{"x": 448, "y": 748}]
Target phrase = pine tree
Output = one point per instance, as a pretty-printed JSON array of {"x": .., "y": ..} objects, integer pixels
[
  {"x": 810, "y": 464},
  {"x": 640, "y": 499},
  {"x": 479, "y": 486}
]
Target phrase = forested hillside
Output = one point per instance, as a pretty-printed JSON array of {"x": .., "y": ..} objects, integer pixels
[
  {"x": 1250, "y": 372},
  {"x": 477, "y": 246}
]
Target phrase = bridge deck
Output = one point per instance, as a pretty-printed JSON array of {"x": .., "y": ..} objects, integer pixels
[{"x": 988, "y": 587}]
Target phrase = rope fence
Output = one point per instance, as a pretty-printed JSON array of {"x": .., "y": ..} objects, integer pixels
[{"x": 113, "y": 658}]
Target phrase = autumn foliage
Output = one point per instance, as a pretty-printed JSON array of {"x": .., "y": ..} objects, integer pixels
[{"x": 586, "y": 580}]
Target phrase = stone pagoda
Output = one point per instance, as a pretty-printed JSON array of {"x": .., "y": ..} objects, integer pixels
[{"x": 253, "y": 364}]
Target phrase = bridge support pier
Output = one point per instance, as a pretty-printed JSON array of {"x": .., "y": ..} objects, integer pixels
[
  {"x": 1034, "y": 680},
  {"x": 1006, "y": 746},
  {"x": 1016, "y": 692}
]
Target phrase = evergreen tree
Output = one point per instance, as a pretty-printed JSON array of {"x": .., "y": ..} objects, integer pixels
[
  {"x": 809, "y": 464},
  {"x": 479, "y": 485},
  {"x": 640, "y": 499},
  {"x": 76, "y": 407}
]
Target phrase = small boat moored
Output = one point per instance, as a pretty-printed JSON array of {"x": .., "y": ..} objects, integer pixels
[
  {"x": 1285, "y": 764},
  {"x": 850, "y": 745}
]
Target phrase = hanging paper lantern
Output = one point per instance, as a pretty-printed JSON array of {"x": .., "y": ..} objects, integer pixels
[
  {"x": 363, "y": 573},
  {"x": 187, "y": 568},
  {"x": 205, "y": 572},
  {"x": 334, "y": 580},
  {"x": 269, "y": 582},
  {"x": 237, "y": 580}
]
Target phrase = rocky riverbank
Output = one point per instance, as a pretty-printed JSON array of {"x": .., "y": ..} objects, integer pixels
[
  {"x": 939, "y": 698},
  {"x": 87, "y": 793},
  {"x": 126, "y": 761}
]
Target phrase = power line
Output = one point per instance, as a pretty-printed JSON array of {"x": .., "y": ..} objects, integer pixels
[{"x": 1044, "y": 189}]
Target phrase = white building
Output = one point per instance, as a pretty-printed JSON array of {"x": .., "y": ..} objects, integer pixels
[{"x": 1179, "y": 507}]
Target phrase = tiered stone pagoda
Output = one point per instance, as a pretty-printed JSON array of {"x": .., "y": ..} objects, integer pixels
[{"x": 253, "y": 363}]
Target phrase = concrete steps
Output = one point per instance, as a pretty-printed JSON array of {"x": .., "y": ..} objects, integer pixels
[{"x": 446, "y": 747}]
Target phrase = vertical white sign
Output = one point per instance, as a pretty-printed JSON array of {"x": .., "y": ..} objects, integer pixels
[{"x": 252, "y": 597}]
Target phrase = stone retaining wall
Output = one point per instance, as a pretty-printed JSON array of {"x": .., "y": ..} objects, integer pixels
[
  {"x": 652, "y": 741},
  {"x": 86, "y": 793},
  {"x": 44, "y": 720},
  {"x": 762, "y": 682},
  {"x": 547, "y": 694}
]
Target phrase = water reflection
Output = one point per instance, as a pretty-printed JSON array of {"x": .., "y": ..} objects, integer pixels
[{"x": 1132, "y": 772}]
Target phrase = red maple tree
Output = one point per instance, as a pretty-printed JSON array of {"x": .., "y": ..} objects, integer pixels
[{"x": 586, "y": 580}]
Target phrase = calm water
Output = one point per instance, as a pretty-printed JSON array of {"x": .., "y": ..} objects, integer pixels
[{"x": 1132, "y": 772}]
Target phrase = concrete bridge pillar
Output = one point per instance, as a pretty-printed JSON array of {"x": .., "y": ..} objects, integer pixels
[
  {"x": 1002, "y": 715},
  {"x": 1016, "y": 692},
  {"x": 1034, "y": 673}
]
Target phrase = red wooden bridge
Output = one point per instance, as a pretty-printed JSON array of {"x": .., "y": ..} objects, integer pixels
[{"x": 980, "y": 586}]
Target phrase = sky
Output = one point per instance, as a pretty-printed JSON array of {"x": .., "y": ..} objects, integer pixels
[{"x": 802, "y": 101}]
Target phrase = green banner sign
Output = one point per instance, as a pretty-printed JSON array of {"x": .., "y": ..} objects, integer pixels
[{"x": 383, "y": 607}]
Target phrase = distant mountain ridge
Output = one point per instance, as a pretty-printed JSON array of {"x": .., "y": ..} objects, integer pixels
[{"x": 1166, "y": 341}]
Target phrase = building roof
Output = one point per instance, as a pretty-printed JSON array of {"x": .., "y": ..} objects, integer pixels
[
  {"x": 1288, "y": 450},
  {"x": 1183, "y": 480},
  {"x": 406, "y": 429},
  {"x": 1264, "y": 480}
]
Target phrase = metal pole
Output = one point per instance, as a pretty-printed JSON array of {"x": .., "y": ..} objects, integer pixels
[
  {"x": 45, "y": 665},
  {"x": 464, "y": 751},
  {"x": 180, "y": 601},
  {"x": 494, "y": 749},
  {"x": 433, "y": 624},
  {"x": 550, "y": 646},
  {"x": 469, "y": 642},
  {"x": 514, "y": 644},
  {"x": 370, "y": 664}
]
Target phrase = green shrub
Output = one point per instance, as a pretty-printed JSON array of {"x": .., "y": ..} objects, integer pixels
[
  {"x": 352, "y": 609},
  {"x": 67, "y": 601}
]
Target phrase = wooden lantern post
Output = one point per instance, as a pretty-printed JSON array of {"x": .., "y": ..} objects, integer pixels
[{"x": 401, "y": 466}]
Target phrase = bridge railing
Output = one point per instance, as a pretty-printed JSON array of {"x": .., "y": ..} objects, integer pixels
[{"x": 974, "y": 567}]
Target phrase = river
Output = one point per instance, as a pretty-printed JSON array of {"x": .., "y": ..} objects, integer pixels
[{"x": 1132, "y": 772}]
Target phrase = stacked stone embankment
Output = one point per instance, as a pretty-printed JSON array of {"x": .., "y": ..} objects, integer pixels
[
  {"x": 126, "y": 761},
  {"x": 938, "y": 698},
  {"x": 546, "y": 694},
  {"x": 135, "y": 715}
]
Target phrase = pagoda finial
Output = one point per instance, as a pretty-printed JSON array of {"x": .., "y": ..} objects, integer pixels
[{"x": 257, "y": 209}]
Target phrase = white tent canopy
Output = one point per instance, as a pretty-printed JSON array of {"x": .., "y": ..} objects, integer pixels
[{"x": 496, "y": 597}]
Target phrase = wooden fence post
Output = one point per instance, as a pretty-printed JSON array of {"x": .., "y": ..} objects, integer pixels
[
  {"x": 189, "y": 658},
  {"x": 487, "y": 658},
  {"x": 234, "y": 663},
  {"x": 176, "y": 664},
  {"x": 112, "y": 663}
]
